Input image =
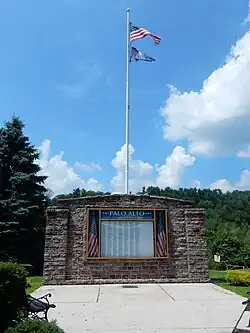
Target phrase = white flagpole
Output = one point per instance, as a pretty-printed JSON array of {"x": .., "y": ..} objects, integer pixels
[{"x": 127, "y": 105}]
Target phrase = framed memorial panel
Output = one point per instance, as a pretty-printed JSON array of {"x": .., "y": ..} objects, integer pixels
[{"x": 127, "y": 233}]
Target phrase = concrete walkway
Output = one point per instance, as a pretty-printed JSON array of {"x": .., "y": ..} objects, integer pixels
[{"x": 171, "y": 308}]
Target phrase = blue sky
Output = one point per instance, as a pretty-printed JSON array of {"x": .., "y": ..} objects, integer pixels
[{"x": 63, "y": 64}]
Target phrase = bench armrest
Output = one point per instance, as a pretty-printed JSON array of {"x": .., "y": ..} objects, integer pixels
[
  {"x": 40, "y": 302},
  {"x": 247, "y": 302},
  {"x": 45, "y": 297}
]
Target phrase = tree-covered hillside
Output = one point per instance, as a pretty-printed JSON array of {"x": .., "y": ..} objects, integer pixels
[{"x": 227, "y": 221}]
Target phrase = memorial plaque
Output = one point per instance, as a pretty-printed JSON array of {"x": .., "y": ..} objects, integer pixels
[{"x": 127, "y": 239}]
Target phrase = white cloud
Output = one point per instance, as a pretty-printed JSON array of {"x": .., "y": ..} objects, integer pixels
[
  {"x": 243, "y": 184},
  {"x": 169, "y": 174},
  {"x": 222, "y": 184},
  {"x": 214, "y": 120},
  {"x": 62, "y": 178},
  {"x": 197, "y": 184},
  {"x": 244, "y": 153},
  {"x": 141, "y": 173},
  {"x": 247, "y": 19},
  {"x": 88, "y": 167}
]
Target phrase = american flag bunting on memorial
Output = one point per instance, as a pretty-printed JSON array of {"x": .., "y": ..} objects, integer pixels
[
  {"x": 160, "y": 236},
  {"x": 93, "y": 239}
]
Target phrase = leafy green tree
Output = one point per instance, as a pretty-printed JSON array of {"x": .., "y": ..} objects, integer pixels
[{"x": 22, "y": 196}]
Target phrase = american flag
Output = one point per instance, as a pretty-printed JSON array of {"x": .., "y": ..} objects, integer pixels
[
  {"x": 139, "y": 33},
  {"x": 161, "y": 236},
  {"x": 93, "y": 241}
]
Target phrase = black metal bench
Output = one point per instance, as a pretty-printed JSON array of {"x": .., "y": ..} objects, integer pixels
[
  {"x": 37, "y": 308},
  {"x": 247, "y": 308}
]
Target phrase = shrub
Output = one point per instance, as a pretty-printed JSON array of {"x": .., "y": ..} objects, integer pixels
[
  {"x": 29, "y": 268},
  {"x": 12, "y": 292},
  {"x": 238, "y": 277},
  {"x": 33, "y": 326}
]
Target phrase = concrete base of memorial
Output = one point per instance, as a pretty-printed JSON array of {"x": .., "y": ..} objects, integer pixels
[{"x": 172, "y": 308}]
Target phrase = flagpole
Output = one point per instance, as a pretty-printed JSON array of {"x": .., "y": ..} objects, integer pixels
[{"x": 127, "y": 105}]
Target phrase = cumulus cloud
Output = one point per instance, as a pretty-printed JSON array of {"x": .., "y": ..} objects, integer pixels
[
  {"x": 225, "y": 185},
  {"x": 215, "y": 119},
  {"x": 62, "y": 178},
  {"x": 88, "y": 167},
  {"x": 244, "y": 153},
  {"x": 142, "y": 173},
  {"x": 169, "y": 174},
  {"x": 197, "y": 184},
  {"x": 247, "y": 19}
]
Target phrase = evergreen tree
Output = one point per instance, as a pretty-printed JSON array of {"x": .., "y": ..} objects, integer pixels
[{"x": 22, "y": 195}]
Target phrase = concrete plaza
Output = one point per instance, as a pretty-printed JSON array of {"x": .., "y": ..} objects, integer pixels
[{"x": 172, "y": 308}]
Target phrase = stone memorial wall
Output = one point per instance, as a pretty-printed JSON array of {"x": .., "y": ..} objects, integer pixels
[{"x": 125, "y": 239}]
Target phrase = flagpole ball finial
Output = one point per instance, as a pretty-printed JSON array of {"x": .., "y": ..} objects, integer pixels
[{"x": 128, "y": 9}]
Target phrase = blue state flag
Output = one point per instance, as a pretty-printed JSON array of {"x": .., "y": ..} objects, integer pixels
[{"x": 138, "y": 55}]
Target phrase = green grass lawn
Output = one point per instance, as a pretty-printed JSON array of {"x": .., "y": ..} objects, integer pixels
[
  {"x": 34, "y": 283},
  {"x": 242, "y": 291},
  {"x": 220, "y": 275},
  {"x": 219, "y": 278}
]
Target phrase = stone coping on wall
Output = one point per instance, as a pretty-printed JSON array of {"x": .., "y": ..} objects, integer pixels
[{"x": 125, "y": 196}]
